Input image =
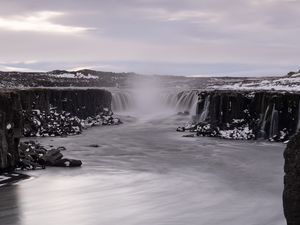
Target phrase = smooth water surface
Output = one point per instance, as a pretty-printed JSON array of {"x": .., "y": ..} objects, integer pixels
[{"x": 144, "y": 173}]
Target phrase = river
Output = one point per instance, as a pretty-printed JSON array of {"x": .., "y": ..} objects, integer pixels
[{"x": 144, "y": 173}]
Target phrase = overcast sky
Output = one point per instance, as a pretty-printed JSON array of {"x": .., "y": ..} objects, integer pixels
[{"x": 180, "y": 37}]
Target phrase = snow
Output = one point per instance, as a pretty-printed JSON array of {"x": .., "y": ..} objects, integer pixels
[
  {"x": 296, "y": 75},
  {"x": 2, "y": 178},
  {"x": 281, "y": 84},
  {"x": 8, "y": 126},
  {"x": 74, "y": 76}
]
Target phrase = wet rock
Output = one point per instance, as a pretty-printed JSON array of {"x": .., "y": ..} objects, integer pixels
[
  {"x": 208, "y": 130},
  {"x": 67, "y": 163},
  {"x": 34, "y": 156},
  {"x": 93, "y": 146},
  {"x": 61, "y": 148},
  {"x": 180, "y": 129},
  {"x": 188, "y": 135},
  {"x": 51, "y": 157}
]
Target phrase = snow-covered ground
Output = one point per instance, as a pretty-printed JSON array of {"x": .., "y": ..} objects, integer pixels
[
  {"x": 74, "y": 76},
  {"x": 291, "y": 84}
]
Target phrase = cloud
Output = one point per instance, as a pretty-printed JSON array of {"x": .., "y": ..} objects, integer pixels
[
  {"x": 17, "y": 68},
  {"x": 262, "y": 33},
  {"x": 39, "y": 22},
  {"x": 194, "y": 16}
]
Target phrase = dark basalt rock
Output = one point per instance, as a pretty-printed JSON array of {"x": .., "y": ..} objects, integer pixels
[
  {"x": 10, "y": 129},
  {"x": 93, "y": 146},
  {"x": 67, "y": 163},
  {"x": 291, "y": 193},
  {"x": 47, "y": 112},
  {"x": 51, "y": 157},
  {"x": 33, "y": 156},
  {"x": 270, "y": 115}
]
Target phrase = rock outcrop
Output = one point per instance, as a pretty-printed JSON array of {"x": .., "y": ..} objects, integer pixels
[
  {"x": 247, "y": 115},
  {"x": 33, "y": 156},
  {"x": 89, "y": 105},
  {"x": 79, "y": 102},
  {"x": 10, "y": 129},
  {"x": 291, "y": 193}
]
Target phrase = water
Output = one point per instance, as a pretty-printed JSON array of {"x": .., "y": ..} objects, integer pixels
[
  {"x": 205, "y": 111},
  {"x": 144, "y": 173}
]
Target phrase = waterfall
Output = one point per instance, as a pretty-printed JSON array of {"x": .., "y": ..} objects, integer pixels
[
  {"x": 274, "y": 123},
  {"x": 183, "y": 101},
  {"x": 121, "y": 101},
  {"x": 264, "y": 121},
  {"x": 205, "y": 111},
  {"x": 298, "y": 125}
]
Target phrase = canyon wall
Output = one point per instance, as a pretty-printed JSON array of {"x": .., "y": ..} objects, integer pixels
[
  {"x": 268, "y": 114},
  {"x": 10, "y": 129},
  {"x": 79, "y": 102},
  {"x": 291, "y": 193}
]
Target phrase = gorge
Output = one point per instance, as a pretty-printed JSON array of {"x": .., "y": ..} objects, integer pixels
[{"x": 147, "y": 148}]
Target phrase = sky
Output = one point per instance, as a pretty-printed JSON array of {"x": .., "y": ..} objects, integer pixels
[{"x": 167, "y": 37}]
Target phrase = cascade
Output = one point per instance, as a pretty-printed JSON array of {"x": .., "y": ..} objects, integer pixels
[
  {"x": 121, "y": 101},
  {"x": 183, "y": 101},
  {"x": 205, "y": 111},
  {"x": 264, "y": 121},
  {"x": 298, "y": 125},
  {"x": 274, "y": 123}
]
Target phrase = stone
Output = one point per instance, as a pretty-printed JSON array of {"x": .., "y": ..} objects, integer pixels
[
  {"x": 67, "y": 163},
  {"x": 188, "y": 135},
  {"x": 180, "y": 129},
  {"x": 51, "y": 157},
  {"x": 93, "y": 146}
]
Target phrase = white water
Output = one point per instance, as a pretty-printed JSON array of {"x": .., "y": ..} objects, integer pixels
[
  {"x": 298, "y": 124},
  {"x": 121, "y": 101},
  {"x": 274, "y": 123},
  {"x": 181, "y": 101},
  {"x": 144, "y": 173},
  {"x": 264, "y": 121},
  {"x": 205, "y": 112}
]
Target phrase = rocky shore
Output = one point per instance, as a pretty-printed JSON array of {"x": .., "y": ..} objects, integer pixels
[
  {"x": 35, "y": 156},
  {"x": 47, "y": 112}
]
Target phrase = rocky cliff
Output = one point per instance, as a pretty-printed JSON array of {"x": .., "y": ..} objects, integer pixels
[
  {"x": 269, "y": 115},
  {"x": 10, "y": 129},
  {"x": 13, "y": 103},
  {"x": 79, "y": 102},
  {"x": 291, "y": 193}
]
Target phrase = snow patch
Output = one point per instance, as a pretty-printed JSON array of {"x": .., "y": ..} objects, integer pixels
[
  {"x": 282, "y": 84},
  {"x": 74, "y": 76}
]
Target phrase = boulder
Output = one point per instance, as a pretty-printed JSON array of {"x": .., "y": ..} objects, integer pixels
[
  {"x": 51, "y": 157},
  {"x": 180, "y": 129},
  {"x": 67, "y": 163}
]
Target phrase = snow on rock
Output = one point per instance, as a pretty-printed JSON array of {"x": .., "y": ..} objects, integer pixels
[
  {"x": 8, "y": 126},
  {"x": 291, "y": 84},
  {"x": 77, "y": 75},
  {"x": 61, "y": 123}
]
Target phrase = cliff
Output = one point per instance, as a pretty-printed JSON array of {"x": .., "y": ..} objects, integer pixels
[
  {"x": 291, "y": 193},
  {"x": 79, "y": 102},
  {"x": 10, "y": 129},
  {"x": 269, "y": 115}
]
